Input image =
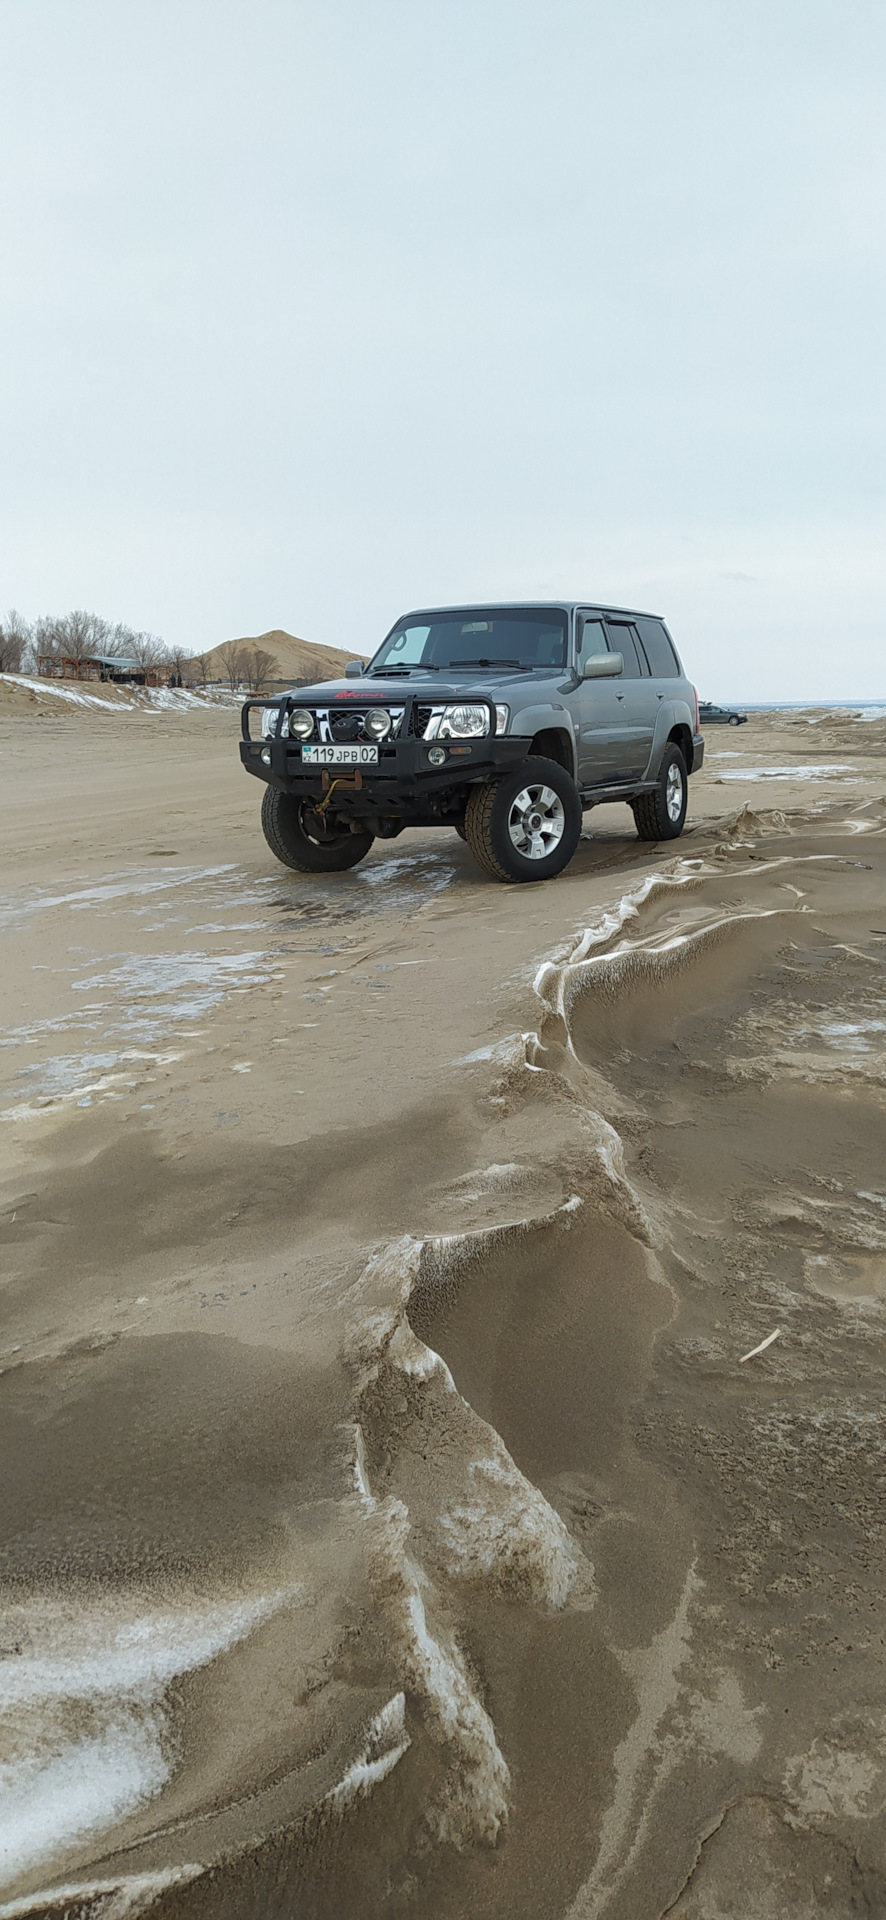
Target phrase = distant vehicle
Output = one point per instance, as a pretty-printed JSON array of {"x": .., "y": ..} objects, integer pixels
[
  {"x": 503, "y": 722},
  {"x": 720, "y": 716}
]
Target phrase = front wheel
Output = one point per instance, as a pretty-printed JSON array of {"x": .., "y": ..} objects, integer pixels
[
  {"x": 296, "y": 831},
  {"x": 526, "y": 825},
  {"x": 660, "y": 815}
]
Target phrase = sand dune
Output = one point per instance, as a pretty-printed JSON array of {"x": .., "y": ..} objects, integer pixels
[
  {"x": 297, "y": 659},
  {"x": 392, "y": 1524}
]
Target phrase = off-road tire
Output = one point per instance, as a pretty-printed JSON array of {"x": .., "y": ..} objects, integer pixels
[
  {"x": 460, "y": 829},
  {"x": 489, "y": 809},
  {"x": 282, "y": 816},
  {"x": 654, "y": 815}
]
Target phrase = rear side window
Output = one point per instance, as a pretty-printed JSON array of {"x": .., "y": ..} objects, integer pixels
[
  {"x": 659, "y": 652},
  {"x": 622, "y": 640}
]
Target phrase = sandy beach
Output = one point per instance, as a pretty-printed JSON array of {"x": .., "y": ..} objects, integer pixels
[{"x": 397, "y": 1516}]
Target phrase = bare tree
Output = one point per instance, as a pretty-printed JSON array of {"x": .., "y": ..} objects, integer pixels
[
  {"x": 178, "y": 660},
  {"x": 74, "y": 636},
  {"x": 259, "y": 666},
  {"x": 15, "y": 642},
  {"x": 147, "y": 650},
  {"x": 197, "y": 666},
  {"x": 232, "y": 658},
  {"x": 119, "y": 642}
]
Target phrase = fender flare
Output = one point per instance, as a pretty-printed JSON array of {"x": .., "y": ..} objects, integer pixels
[
  {"x": 671, "y": 714},
  {"x": 529, "y": 721}
]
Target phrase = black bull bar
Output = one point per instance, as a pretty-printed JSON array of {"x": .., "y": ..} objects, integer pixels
[{"x": 404, "y": 772}]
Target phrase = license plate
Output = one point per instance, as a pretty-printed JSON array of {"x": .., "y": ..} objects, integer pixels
[{"x": 350, "y": 756}]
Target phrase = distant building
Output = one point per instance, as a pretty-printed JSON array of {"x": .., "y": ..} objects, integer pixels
[{"x": 117, "y": 667}]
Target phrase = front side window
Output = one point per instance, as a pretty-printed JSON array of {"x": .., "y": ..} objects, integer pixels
[
  {"x": 476, "y": 637},
  {"x": 592, "y": 640}
]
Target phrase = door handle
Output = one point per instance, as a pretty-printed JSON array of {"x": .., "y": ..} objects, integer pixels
[{"x": 619, "y": 696}]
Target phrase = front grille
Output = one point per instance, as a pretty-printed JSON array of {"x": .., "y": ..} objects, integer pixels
[{"x": 420, "y": 720}]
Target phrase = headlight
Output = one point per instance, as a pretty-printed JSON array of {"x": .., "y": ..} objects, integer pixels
[
  {"x": 269, "y": 718},
  {"x": 301, "y": 724},
  {"x": 501, "y": 719},
  {"x": 463, "y": 723},
  {"x": 377, "y": 724}
]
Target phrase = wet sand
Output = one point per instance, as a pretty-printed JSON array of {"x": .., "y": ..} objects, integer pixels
[{"x": 391, "y": 1522}]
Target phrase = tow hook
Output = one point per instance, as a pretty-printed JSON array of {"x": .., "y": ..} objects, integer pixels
[{"x": 340, "y": 781}]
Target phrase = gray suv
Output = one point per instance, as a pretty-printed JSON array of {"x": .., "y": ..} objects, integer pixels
[{"x": 503, "y": 722}]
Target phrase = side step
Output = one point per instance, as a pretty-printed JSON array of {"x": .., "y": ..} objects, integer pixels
[{"x": 600, "y": 796}]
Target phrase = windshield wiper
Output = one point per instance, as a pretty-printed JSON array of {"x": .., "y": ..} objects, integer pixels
[{"x": 522, "y": 664}]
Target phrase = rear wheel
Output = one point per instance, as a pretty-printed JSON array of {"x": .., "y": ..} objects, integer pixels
[
  {"x": 660, "y": 815},
  {"x": 527, "y": 825},
  {"x": 296, "y": 831}
]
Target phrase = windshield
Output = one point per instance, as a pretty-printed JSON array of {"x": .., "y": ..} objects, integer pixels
[{"x": 475, "y": 637}]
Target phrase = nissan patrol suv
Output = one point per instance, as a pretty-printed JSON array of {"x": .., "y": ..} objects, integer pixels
[{"x": 503, "y": 722}]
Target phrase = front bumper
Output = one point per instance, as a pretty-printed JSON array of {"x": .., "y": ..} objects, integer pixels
[
  {"x": 402, "y": 768},
  {"x": 403, "y": 780}
]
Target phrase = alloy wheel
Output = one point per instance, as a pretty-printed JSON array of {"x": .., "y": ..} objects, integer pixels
[
  {"x": 536, "y": 821},
  {"x": 674, "y": 792}
]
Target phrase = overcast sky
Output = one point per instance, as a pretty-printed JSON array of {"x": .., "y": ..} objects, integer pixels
[{"x": 317, "y": 310}]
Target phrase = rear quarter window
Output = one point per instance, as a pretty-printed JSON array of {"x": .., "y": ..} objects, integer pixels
[{"x": 663, "y": 662}]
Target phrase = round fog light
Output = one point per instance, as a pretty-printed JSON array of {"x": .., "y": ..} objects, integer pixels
[
  {"x": 437, "y": 756},
  {"x": 266, "y": 755},
  {"x": 377, "y": 724}
]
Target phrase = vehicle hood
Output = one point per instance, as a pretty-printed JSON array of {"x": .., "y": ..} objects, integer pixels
[{"x": 431, "y": 688}]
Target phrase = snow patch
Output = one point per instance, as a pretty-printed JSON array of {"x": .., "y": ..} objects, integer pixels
[{"x": 82, "y": 1730}]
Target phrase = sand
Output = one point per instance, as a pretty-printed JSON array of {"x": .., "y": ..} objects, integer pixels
[{"x": 391, "y": 1522}]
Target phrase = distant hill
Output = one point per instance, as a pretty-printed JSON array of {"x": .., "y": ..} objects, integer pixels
[{"x": 297, "y": 659}]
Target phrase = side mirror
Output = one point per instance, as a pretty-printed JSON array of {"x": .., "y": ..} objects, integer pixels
[
  {"x": 603, "y": 666},
  {"x": 354, "y": 670}
]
